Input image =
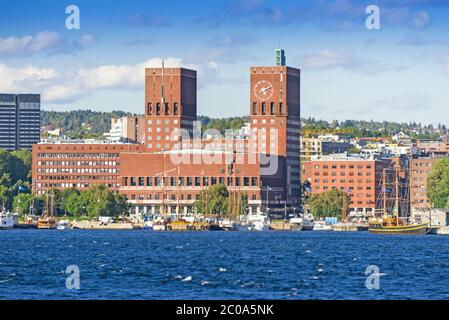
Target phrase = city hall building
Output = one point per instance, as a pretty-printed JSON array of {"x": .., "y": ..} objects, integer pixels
[{"x": 177, "y": 160}]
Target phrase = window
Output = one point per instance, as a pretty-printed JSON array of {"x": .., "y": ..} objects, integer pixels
[
  {"x": 175, "y": 109},
  {"x": 158, "y": 109},
  {"x": 272, "y": 108},
  {"x": 149, "y": 181},
  {"x": 254, "y": 181},
  {"x": 167, "y": 110},
  {"x": 150, "y": 108},
  {"x": 133, "y": 181},
  {"x": 264, "y": 107},
  {"x": 254, "y": 108},
  {"x": 281, "y": 108},
  {"x": 141, "y": 181}
]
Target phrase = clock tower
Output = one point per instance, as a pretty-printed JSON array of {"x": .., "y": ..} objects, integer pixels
[{"x": 275, "y": 121}]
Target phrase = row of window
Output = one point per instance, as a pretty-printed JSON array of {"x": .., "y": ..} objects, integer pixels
[
  {"x": 82, "y": 170},
  {"x": 273, "y": 108},
  {"x": 172, "y": 197},
  {"x": 78, "y": 155},
  {"x": 78, "y": 178},
  {"x": 165, "y": 109},
  {"x": 189, "y": 181},
  {"x": 78, "y": 163},
  {"x": 343, "y": 180},
  {"x": 351, "y": 166},
  {"x": 343, "y": 174},
  {"x": 67, "y": 185}
]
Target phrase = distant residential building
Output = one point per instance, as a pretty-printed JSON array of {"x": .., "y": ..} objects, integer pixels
[
  {"x": 432, "y": 147},
  {"x": 19, "y": 121},
  {"x": 127, "y": 129},
  {"x": 330, "y": 147},
  {"x": 322, "y": 145}
]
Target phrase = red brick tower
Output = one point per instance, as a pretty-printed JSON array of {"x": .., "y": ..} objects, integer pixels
[
  {"x": 170, "y": 107},
  {"x": 275, "y": 114}
]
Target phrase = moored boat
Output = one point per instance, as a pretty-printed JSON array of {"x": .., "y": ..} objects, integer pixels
[
  {"x": 46, "y": 222},
  {"x": 308, "y": 223},
  {"x": 258, "y": 222},
  {"x": 63, "y": 225},
  {"x": 394, "y": 223},
  {"x": 6, "y": 220},
  {"x": 321, "y": 225}
]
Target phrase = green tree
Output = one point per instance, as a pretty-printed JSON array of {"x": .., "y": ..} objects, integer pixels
[
  {"x": 329, "y": 203},
  {"x": 213, "y": 200},
  {"x": 100, "y": 201},
  {"x": 74, "y": 204},
  {"x": 22, "y": 203},
  {"x": 354, "y": 150},
  {"x": 6, "y": 196},
  {"x": 20, "y": 165},
  {"x": 438, "y": 184}
]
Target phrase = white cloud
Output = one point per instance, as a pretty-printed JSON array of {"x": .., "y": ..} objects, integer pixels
[
  {"x": 20, "y": 79},
  {"x": 420, "y": 19},
  {"x": 343, "y": 59},
  {"x": 326, "y": 59},
  {"x": 401, "y": 104},
  {"x": 42, "y": 42},
  {"x": 64, "y": 87}
]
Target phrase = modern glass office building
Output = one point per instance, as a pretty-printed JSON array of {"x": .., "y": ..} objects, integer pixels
[{"x": 19, "y": 120}]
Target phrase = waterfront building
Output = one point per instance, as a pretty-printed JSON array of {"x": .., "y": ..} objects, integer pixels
[
  {"x": 77, "y": 164},
  {"x": 19, "y": 121},
  {"x": 177, "y": 161},
  {"x": 360, "y": 177},
  {"x": 420, "y": 169}
]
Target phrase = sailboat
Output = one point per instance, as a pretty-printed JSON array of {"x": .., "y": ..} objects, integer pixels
[
  {"x": 391, "y": 221},
  {"x": 47, "y": 221}
]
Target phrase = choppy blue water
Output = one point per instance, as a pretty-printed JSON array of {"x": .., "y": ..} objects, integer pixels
[{"x": 220, "y": 265}]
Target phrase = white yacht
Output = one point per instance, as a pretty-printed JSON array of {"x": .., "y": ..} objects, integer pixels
[
  {"x": 6, "y": 220},
  {"x": 321, "y": 225},
  {"x": 308, "y": 223},
  {"x": 296, "y": 224},
  {"x": 159, "y": 223},
  {"x": 258, "y": 222},
  {"x": 63, "y": 225}
]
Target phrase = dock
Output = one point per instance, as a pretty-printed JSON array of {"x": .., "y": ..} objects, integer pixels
[
  {"x": 345, "y": 227},
  {"x": 95, "y": 225}
]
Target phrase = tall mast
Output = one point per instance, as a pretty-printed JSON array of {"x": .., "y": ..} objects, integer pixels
[
  {"x": 384, "y": 191},
  {"x": 396, "y": 172},
  {"x": 163, "y": 86}
]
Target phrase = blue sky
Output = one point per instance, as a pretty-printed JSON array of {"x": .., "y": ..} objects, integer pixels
[{"x": 398, "y": 73}]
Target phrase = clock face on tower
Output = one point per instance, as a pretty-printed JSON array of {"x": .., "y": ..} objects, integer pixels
[{"x": 263, "y": 90}]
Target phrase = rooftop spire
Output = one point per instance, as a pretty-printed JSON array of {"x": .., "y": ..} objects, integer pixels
[
  {"x": 279, "y": 57},
  {"x": 163, "y": 83}
]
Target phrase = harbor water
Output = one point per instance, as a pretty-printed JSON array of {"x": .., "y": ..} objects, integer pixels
[{"x": 221, "y": 265}]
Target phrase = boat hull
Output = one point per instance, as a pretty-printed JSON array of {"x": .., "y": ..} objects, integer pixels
[{"x": 412, "y": 229}]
